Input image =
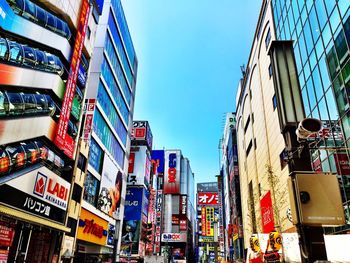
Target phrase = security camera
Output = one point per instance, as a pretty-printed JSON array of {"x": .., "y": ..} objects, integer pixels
[{"x": 308, "y": 127}]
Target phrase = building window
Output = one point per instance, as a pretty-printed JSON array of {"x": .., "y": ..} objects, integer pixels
[
  {"x": 96, "y": 156},
  {"x": 247, "y": 124},
  {"x": 249, "y": 147},
  {"x": 274, "y": 102},
  {"x": 270, "y": 70},
  {"x": 267, "y": 38},
  {"x": 91, "y": 187}
]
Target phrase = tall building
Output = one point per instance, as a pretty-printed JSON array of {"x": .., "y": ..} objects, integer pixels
[
  {"x": 45, "y": 52},
  {"x": 320, "y": 31},
  {"x": 139, "y": 195},
  {"x": 231, "y": 191},
  {"x": 175, "y": 214},
  {"x": 107, "y": 128}
]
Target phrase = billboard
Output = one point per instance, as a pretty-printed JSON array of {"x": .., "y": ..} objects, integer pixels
[
  {"x": 203, "y": 221},
  {"x": 158, "y": 158},
  {"x": 183, "y": 205},
  {"x": 140, "y": 165},
  {"x": 174, "y": 237},
  {"x": 172, "y": 172},
  {"x": 40, "y": 192},
  {"x": 142, "y": 132},
  {"x": 62, "y": 140},
  {"x": 130, "y": 238},
  {"x": 206, "y": 198},
  {"x": 159, "y": 208},
  {"x": 267, "y": 213},
  {"x": 207, "y": 187},
  {"x": 110, "y": 188},
  {"x": 133, "y": 203}
]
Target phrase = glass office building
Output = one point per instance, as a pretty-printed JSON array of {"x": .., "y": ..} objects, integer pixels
[{"x": 321, "y": 33}]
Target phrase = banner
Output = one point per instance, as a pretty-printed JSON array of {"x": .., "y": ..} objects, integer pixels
[
  {"x": 62, "y": 140},
  {"x": 110, "y": 189},
  {"x": 172, "y": 172},
  {"x": 267, "y": 213},
  {"x": 158, "y": 158}
]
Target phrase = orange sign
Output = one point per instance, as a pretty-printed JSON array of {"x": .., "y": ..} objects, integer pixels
[{"x": 92, "y": 228}]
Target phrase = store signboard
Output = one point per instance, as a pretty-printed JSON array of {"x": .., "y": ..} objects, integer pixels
[
  {"x": 45, "y": 185},
  {"x": 183, "y": 223},
  {"x": 183, "y": 205},
  {"x": 142, "y": 132},
  {"x": 267, "y": 213},
  {"x": 89, "y": 114},
  {"x": 207, "y": 198},
  {"x": 172, "y": 172},
  {"x": 206, "y": 239},
  {"x": 141, "y": 166},
  {"x": 7, "y": 234},
  {"x": 159, "y": 208},
  {"x": 203, "y": 221},
  {"x": 62, "y": 140},
  {"x": 110, "y": 189},
  {"x": 174, "y": 237},
  {"x": 92, "y": 228}
]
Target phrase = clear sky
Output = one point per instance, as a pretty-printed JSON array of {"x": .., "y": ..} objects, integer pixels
[{"x": 189, "y": 54}]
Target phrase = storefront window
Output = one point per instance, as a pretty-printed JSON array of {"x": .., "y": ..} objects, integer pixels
[{"x": 91, "y": 187}]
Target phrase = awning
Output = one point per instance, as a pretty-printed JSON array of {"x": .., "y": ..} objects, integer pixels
[{"x": 32, "y": 219}]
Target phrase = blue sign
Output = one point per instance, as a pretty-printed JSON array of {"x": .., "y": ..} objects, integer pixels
[
  {"x": 82, "y": 75},
  {"x": 133, "y": 203},
  {"x": 96, "y": 156},
  {"x": 145, "y": 202},
  {"x": 158, "y": 157}
]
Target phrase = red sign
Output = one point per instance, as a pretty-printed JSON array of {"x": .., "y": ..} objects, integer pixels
[
  {"x": 183, "y": 224},
  {"x": 90, "y": 227},
  {"x": 6, "y": 235},
  {"x": 207, "y": 198},
  {"x": 172, "y": 172},
  {"x": 131, "y": 162},
  {"x": 175, "y": 219},
  {"x": 62, "y": 140},
  {"x": 343, "y": 164},
  {"x": 267, "y": 213}
]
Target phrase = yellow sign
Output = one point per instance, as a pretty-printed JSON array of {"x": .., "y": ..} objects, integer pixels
[
  {"x": 92, "y": 228},
  {"x": 235, "y": 237}
]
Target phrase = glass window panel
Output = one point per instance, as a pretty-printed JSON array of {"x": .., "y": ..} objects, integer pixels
[
  {"x": 346, "y": 126},
  {"x": 321, "y": 13},
  {"x": 330, "y": 4},
  {"x": 307, "y": 71},
  {"x": 96, "y": 156},
  {"x": 298, "y": 27},
  {"x": 323, "y": 109},
  {"x": 314, "y": 24},
  {"x": 29, "y": 10},
  {"x": 291, "y": 20},
  {"x": 315, "y": 114},
  {"x": 306, "y": 102},
  {"x": 3, "y": 48},
  {"x": 325, "y": 166},
  {"x": 332, "y": 62},
  {"x": 313, "y": 60},
  {"x": 340, "y": 95},
  {"x": 319, "y": 48},
  {"x": 346, "y": 72},
  {"x": 301, "y": 79},
  {"x": 317, "y": 83},
  {"x": 297, "y": 57},
  {"x": 303, "y": 15},
  {"x": 295, "y": 9},
  {"x": 347, "y": 29},
  {"x": 303, "y": 51},
  {"x": 334, "y": 20},
  {"x": 311, "y": 93},
  {"x": 16, "y": 55},
  {"x": 309, "y": 4},
  {"x": 29, "y": 56},
  {"x": 41, "y": 59},
  {"x": 326, "y": 35},
  {"x": 332, "y": 107},
  {"x": 51, "y": 22},
  {"x": 333, "y": 166},
  {"x": 41, "y": 15},
  {"x": 343, "y": 6},
  {"x": 341, "y": 47},
  {"x": 308, "y": 38},
  {"x": 324, "y": 72}
]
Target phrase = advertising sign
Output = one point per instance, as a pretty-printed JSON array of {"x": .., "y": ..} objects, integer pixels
[
  {"x": 267, "y": 213},
  {"x": 89, "y": 114},
  {"x": 92, "y": 228},
  {"x": 133, "y": 203},
  {"x": 172, "y": 172},
  {"x": 131, "y": 163},
  {"x": 203, "y": 221},
  {"x": 343, "y": 164},
  {"x": 142, "y": 132},
  {"x": 158, "y": 158},
  {"x": 206, "y": 239},
  {"x": 183, "y": 205},
  {"x": 159, "y": 208},
  {"x": 141, "y": 166},
  {"x": 110, "y": 189},
  {"x": 209, "y": 219},
  {"x": 130, "y": 238},
  {"x": 174, "y": 237},
  {"x": 205, "y": 198},
  {"x": 183, "y": 223},
  {"x": 7, "y": 234},
  {"x": 145, "y": 202},
  {"x": 62, "y": 140}
]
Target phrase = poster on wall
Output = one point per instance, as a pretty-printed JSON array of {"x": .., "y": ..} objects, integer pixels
[
  {"x": 110, "y": 189},
  {"x": 267, "y": 213},
  {"x": 133, "y": 203},
  {"x": 130, "y": 238},
  {"x": 172, "y": 172}
]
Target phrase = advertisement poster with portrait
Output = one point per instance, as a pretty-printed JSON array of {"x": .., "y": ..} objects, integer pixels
[
  {"x": 130, "y": 238},
  {"x": 110, "y": 189}
]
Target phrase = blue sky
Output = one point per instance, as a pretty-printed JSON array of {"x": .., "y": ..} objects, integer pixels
[{"x": 190, "y": 53}]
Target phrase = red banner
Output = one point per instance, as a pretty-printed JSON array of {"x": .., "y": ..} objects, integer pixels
[
  {"x": 62, "y": 140},
  {"x": 131, "y": 162},
  {"x": 267, "y": 213},
  {"x": 343, "y": 164},
  {"x": 207, "y": 198},
  {"x": 6, "y": 235}
]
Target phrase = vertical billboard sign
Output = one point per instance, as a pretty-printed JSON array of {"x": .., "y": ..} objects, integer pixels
[
  {"x": 203, "y": 221},
  {"x": 172, "y": 172},
  {"x": 139, "y": 166},
  {"x": 110, "y": 189},
  {"x": 267, "y": 213},
  {"x": 133, "y": 203},
  {"x": 159, "y": 209},
  {"x": 62, "y": 140},
  {"x": 89, "y": 114},
  {"x": 158, "y": 159}
]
